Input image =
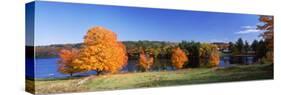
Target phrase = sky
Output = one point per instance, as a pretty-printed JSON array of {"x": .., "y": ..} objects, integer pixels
[{"x": 61, "y": 23}]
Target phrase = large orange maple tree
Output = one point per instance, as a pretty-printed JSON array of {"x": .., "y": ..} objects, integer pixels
[{"x": 101, "y": 52}]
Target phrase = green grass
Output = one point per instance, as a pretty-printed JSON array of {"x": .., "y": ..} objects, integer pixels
[{"x": 156, "y": 79}]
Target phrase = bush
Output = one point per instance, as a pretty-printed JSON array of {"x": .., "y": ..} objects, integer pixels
[{"x": 265, "y": 61}]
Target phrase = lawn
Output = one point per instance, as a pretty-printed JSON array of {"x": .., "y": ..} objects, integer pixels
[{"x": 155, "y": 79}]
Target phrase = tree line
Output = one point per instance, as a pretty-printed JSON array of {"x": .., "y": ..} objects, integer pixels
[{"x": 101, "y": 52}]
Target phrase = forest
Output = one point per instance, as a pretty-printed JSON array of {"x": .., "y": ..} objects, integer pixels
[{"x": 162, "y": 49}]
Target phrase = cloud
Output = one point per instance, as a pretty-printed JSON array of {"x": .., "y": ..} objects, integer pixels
[{"x": 248, "y": 29}]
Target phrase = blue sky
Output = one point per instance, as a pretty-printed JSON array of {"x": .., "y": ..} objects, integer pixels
[{"x": 60, "y": 23}]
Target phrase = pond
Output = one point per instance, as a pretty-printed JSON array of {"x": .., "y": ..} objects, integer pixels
[{"x": 48, "y": 67}]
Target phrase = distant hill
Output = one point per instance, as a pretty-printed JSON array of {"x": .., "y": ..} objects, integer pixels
[{"x": 49, "y": 51}]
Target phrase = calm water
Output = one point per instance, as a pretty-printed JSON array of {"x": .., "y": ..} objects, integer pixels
[{"x": 47, "y": 68}]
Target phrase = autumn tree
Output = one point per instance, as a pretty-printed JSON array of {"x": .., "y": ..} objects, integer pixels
[
  {"x": 101, "y": 52},
  {"x": 214, "y": 59},
  {"x": 145, "y": 61},
  {"x": 268, "y": 35},
  {"x": 66, "y": 64},
  {"x": 178, "y": 58},
  {"x": 209, "y": 55}
]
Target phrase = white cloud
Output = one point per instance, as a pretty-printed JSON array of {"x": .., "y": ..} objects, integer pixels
[{"x": 248, "y": 29}]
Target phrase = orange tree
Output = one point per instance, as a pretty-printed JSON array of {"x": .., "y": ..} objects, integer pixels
[
  {"x": 178, "y": 58},
  {"x": 66, "y": 64},
  {"x": 214, "y": 59},
  {"x": 101, "y": 52},
  {"x": 144, "y": 61},
  {"x": 268, "y": 35}
]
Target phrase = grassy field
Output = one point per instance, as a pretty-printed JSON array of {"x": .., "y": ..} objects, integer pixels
[{"x": 155, "y": 79}]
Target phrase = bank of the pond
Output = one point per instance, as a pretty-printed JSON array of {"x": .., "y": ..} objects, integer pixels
[
  {"x": 156, "y": 79},
  {"x": 47, "y": 68}
]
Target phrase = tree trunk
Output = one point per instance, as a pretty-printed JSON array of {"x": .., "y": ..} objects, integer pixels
[{"x": 98, "y": 72}]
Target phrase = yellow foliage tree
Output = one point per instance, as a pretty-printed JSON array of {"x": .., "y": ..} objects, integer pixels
[
  {"x": 144, "y": 61},
  {"x": 101, "y": 52},
  {"x": 178, "y": 58},
  {"x": 214, "y": 59},
  {"x": 209, "y": 55},
  {"x": 66, "y": 64}
]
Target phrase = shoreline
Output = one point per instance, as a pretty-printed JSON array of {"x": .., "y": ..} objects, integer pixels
[{"x": 156, "y": 79}]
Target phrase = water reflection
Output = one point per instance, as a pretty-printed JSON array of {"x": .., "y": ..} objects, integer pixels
[{"x": 47, "y": 68}]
